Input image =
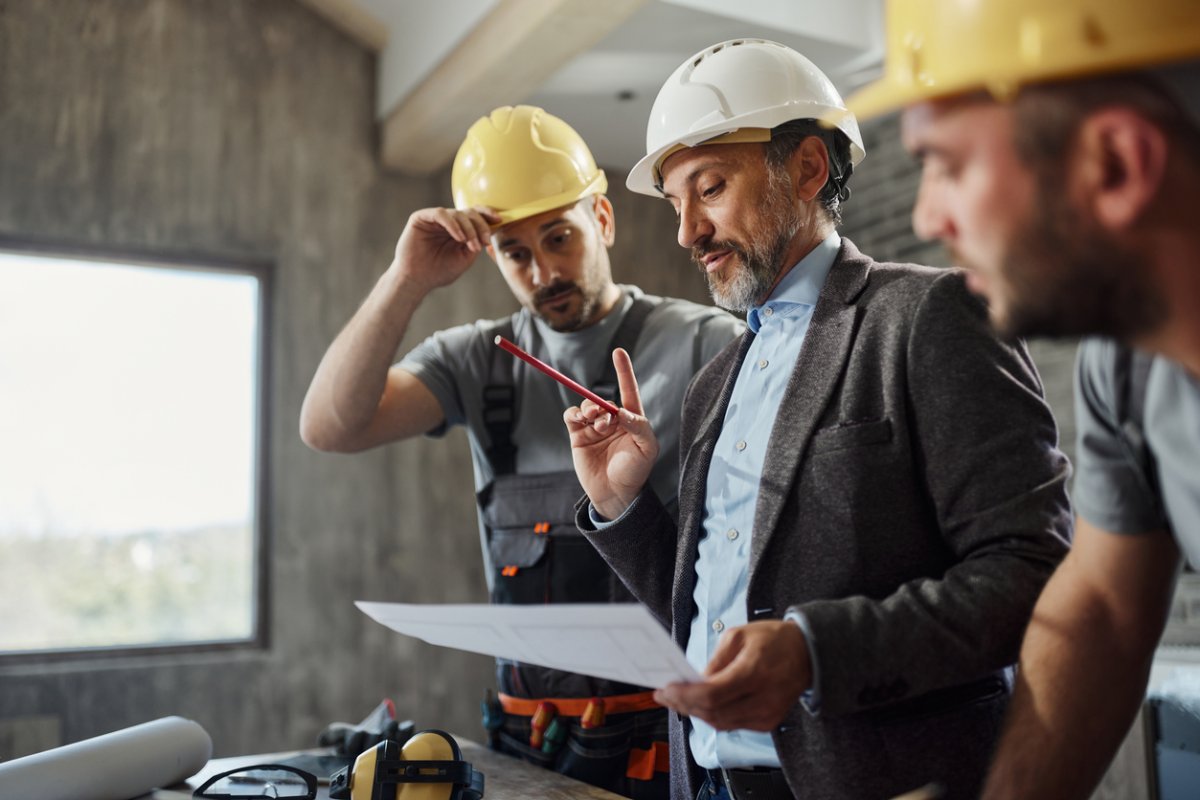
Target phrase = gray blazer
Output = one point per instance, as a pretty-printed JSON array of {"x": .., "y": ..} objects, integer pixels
[{"x": 912, "y": 507}]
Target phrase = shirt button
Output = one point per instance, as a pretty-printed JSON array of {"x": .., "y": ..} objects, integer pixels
[
  {"x": 731, "y": 534},
  {"x": 718, "y": 626},
  {"x": 762, "y": 363},
  {"x": 741, "y": 445},
  {"x": 768, "y": 311}
]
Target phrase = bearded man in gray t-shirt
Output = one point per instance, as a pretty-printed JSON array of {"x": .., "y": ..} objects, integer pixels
[{"x": 526, "y": 190}]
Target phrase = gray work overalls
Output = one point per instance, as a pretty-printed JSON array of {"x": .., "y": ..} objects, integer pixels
[{"x": 537, "y": 555}]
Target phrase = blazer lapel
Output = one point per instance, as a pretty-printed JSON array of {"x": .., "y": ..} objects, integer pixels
[
  {"x": 826, "y": 347},
  {"x": 699, "y": 456}
]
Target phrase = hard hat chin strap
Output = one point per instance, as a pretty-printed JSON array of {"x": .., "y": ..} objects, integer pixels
[{"x": 841, "y": 177}]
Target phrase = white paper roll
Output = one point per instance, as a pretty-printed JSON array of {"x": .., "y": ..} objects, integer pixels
[{"x": 114, "y": 766}]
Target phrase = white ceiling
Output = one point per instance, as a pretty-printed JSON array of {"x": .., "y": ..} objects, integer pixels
[{"x": 606, "y": 91}]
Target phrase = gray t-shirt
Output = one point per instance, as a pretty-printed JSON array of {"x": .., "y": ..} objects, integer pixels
[
  {"x": 677, "y": 338},
  {"x": 1112, "y": 489}
]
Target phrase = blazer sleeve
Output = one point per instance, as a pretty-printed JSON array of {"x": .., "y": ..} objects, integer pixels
[
  {"x": 985, "y": 447},
  {"x": 640, "y": 548}
]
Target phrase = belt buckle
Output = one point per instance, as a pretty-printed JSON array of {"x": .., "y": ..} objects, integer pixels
[{"x": 752, "y": 784}]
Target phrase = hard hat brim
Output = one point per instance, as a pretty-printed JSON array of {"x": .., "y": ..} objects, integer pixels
[
  {"x": 599, "y": 185},
  {"x": 642, "y": 178},
  {"x": 885, "y": 96},
  {"x": 889, "y": 94}
]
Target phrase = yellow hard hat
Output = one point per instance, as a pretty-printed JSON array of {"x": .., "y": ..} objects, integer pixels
[
  {"x": 938, "y": 48},
  {"x": 523, "y": 161}
]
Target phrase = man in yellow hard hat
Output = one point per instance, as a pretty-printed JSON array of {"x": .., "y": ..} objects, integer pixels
[
  {"x": 871, "y": 496},
  {"x": 527, "y": 191},
  {"x": 1060, "y": 145}
]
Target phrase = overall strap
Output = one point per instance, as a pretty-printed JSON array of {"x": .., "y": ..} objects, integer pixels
[
  {"x": 499, "y": 393},
  {"x": 625, "y": 337},
  {"x": 499, "y": 404}
]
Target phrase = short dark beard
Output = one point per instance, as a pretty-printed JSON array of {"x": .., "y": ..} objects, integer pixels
[
  {"x": 562, "y": 324},
  {"x": 761, "y": 258},
  {"x": 1067, "y": 277}
]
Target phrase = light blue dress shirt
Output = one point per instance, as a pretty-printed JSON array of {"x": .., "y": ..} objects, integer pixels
[{"x": 723, "y": 567}]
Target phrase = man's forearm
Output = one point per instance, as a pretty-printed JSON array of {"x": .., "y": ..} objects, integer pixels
[
  {"x": 351, "y": 378},
  {"x": 1080, "y": 684},
  {"x": 1063, "y": 729}
]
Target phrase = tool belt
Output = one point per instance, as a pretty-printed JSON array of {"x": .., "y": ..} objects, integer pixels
[{"x": 623, "y": 750}]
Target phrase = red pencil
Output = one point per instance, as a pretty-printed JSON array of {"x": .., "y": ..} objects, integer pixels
[{"x": 505, "y": 344}]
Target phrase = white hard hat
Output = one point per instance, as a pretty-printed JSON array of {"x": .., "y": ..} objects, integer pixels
[{"x": 743, "y": 85}]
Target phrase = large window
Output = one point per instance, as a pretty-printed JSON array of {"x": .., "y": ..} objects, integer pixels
[{"x": 130, "y": 449}]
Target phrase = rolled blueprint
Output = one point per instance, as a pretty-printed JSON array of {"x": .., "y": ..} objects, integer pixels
[{"x": 114, "y": 766}]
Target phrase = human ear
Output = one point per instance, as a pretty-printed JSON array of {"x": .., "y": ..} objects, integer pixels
[
  {"x": 606, "y": 219},
  {"x": 1120, "y": 163},
  {"x": 810, "y": 168}
]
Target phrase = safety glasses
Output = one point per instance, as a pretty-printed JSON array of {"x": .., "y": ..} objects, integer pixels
[{"x": 261, "y": 780}]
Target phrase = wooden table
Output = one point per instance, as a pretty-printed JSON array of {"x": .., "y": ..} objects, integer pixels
[{"x": 505, "y": 777}]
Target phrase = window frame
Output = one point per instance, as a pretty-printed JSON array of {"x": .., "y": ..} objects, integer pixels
[{"x": 186, "y": 261}]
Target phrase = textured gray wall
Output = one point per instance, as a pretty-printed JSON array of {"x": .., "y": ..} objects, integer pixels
[
  {"x": 246, "y": 130},
  {"x": 242, "y": 130}
]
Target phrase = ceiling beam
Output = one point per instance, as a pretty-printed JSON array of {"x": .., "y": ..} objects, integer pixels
[
  {"x": 513, "y": 50},
  {"x": 353, "y": 20}
]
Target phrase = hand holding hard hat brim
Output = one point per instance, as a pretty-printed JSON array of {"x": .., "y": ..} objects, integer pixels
[
  {"x": 438, "y": 245},
  {"x": 937, "y": 50}
]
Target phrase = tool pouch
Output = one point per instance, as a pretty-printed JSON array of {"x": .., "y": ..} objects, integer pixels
[
  {"x": 535, "y": 549},
  {"x": 538, "y": 556},
  {"x": 613, "y": 756}
]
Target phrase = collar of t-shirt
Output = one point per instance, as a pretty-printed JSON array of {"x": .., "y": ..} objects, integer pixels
[{"x": 585, "y": 348}]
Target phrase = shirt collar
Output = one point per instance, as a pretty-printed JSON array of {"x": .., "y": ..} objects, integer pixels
[{"x": 801, "y": 286}]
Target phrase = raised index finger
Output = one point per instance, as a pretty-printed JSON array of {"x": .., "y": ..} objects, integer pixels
[{"x": 631, "y": 398}]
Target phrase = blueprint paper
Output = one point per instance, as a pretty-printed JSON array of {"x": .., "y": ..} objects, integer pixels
[
  {"x": 620, "y": 642},
  {"x": 115, "y": 766}
]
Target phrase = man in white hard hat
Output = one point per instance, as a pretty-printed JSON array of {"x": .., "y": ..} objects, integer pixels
[
  {"x": 527, "y": 191},
  {"x": 1061, "y": 164},
  {"x": 871, "y": 496}
]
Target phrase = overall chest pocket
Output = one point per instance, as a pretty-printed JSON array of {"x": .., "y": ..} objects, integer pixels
[{"x": 536, "y": 552}]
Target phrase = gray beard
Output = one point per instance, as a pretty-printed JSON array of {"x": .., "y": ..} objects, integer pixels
[
  {"x": 762, "y": 259},
  {"x": 752, "y": 280}
]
